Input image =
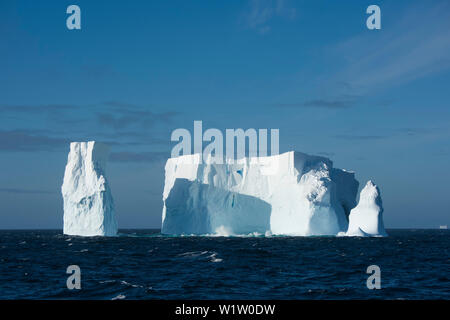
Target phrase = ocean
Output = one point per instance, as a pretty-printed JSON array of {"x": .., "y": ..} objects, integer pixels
[{"x": 143, "y": 264}]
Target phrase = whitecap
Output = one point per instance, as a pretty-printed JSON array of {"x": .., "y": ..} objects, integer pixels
[
  {"x": 192, "y": 254},
  {"x": 131, "y": 285},
  {"x": 107, "y": 281},
  {"x": 214, "y": 259}
]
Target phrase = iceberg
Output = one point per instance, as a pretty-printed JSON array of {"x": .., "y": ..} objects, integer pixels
[
  {"x": 205, "y": 209},
  {"x": 287, "y": 194},
  {"x": 88, "y": 202},
  {"x": 366, "y": 219}
]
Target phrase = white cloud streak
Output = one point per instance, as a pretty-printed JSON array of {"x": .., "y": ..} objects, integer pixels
[
  {"x": 415, "y": 46},
  {"x": 261, "y": 12}
]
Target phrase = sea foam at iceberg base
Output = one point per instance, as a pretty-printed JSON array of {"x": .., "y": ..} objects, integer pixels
[
  {"x": 88, "y": 203},
  {"x": 287, "y": 194}
]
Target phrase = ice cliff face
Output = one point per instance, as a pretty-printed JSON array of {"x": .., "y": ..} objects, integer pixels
[
  {"x": 88, "y": 203},
  {"x": 367, "y": 218},
  {"x": 290, "y": 194}
]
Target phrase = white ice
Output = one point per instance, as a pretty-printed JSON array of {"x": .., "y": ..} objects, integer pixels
[
  {"x": 88, "y": 203},
  {"x": 288, "y": 194},
  {"x": 367, "y": 218}
]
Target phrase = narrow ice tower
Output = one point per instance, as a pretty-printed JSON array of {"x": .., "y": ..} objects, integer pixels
[
  {"x": 366, "y": 219},
  {"x": 88, "y": 203}
]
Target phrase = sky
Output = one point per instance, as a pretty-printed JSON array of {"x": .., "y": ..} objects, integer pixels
[{"x": 374, "y": 101}]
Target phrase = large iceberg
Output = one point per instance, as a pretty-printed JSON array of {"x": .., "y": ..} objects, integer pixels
[
  {"x": 367, "y": 218},
  {"x": 287, "y": 194},
  {"x": 88, "y": 203}
]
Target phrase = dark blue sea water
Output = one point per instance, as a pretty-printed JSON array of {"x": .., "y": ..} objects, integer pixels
[{"x": 142, "y": 264}]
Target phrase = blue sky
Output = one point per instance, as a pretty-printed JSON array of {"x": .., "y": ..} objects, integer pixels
[{"x": 375, "y": 102}]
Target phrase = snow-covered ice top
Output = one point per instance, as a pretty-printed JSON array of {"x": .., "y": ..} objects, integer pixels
[
  {"x": 367, "y": 218},
  {"x": 88, "y": 203},
  {"x": 290, "y": 194}
]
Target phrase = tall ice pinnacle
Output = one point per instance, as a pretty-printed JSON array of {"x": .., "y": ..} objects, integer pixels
[
  {"x": 366, "y": 219},
  {"x": 88, "y": 203}
]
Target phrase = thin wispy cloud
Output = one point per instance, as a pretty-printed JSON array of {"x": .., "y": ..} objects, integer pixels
[
  {"x": 122, "y": 115},
  {"x": 24, "y": 191},
  {"x": 415, "y": 45},
  {"x": 113, "y": 122},
  {"x": 416, "y": 131},
  {"x": 391, "y": 133},
  {"x": 58, "y": 114},
  {"x": 21, "y": 140},
  {"x": 48, "y": 108},
  {"x": 260, "y": 13},
  {"x": 339, "y": 103},
  {"x": 360, "y": 137},
  {"x": 139, "y": 156}
]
